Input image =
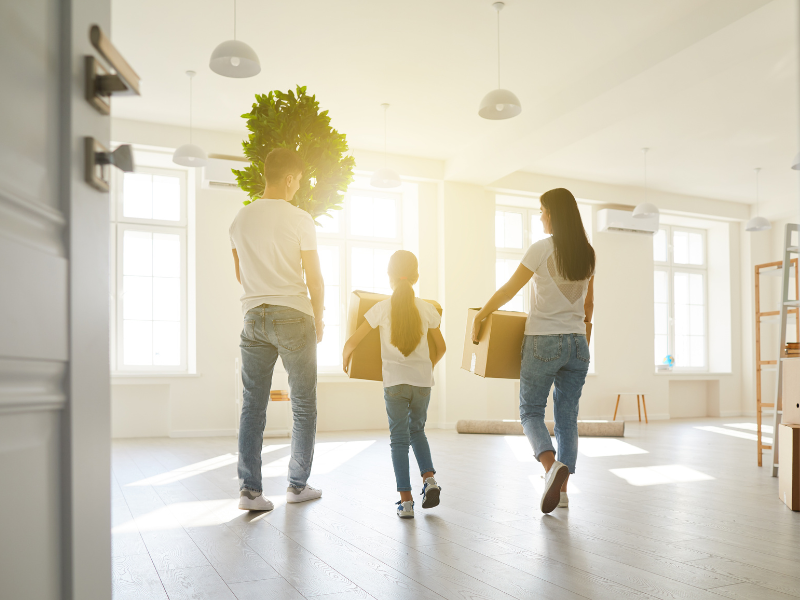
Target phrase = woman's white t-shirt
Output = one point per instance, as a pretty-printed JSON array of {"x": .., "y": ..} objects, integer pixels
[
  {"x": 416, "y": 368},
  {"x": 556, "y": 303}
]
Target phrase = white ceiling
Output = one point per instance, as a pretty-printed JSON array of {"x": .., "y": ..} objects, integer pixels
[{"x": 709, "y": 85}]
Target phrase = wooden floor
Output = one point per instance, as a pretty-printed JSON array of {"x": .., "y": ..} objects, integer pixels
[{"x": 670, "y": 511}]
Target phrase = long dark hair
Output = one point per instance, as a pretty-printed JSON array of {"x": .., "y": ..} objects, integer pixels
[
  {"x": 406, "y": 320},
  {"x": 573, "y": 253}
]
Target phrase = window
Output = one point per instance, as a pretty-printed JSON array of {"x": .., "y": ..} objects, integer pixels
[
  {"x": 515, "y": 229},
  {"x": 680, "y": 295},
  {"x": 149, "y": 257},
  {"x": 355, "y": 245}
]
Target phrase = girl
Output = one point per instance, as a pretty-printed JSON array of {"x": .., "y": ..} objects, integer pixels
[
  {"x": 404, "y": 323},
  {"x": 554, "y": 349}
]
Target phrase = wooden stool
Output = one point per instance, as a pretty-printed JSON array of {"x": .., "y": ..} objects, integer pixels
[{"x": 637, "y": 405}]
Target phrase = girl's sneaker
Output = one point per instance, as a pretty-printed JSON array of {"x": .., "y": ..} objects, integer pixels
[
  {"x": 564, "y": 501},
  {"x": 430, "y": 493},
  {"x": 405, "y": 510}
]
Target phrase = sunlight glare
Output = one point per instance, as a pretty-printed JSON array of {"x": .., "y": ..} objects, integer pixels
[
  {"x": 327, "y": 457},
  {"x": 738, "y": 434},
  {"x": 641, "y": 476},
  {"x": 750, "y": 427},
  {"x": 520, "y": 447},
  {"x": 595, "y": 447}
]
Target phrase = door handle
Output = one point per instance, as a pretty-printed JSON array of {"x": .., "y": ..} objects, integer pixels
[
  {"x": 100, "y": 83},
  {"x": 98, "y": 159}
]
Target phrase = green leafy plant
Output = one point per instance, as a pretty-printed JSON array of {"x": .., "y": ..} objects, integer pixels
[{"x": 293, "y": 120}]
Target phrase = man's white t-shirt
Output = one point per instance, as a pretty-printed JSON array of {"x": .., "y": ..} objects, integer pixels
[
  {"x": 268, "y": 236},
  {"x": 416, "y": 368},
  {"x": 556, "y": 303}
]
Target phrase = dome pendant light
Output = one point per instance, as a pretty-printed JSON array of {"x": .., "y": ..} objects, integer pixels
[
  {"x": 190, "y": 155},
  {"x": 234, "y": 58},
  {"x": 499, "y": 104},
  {"x": 385, "y": 177},
  {"x": 757, "y": 223},
  {"x": 645, "y": 210}
]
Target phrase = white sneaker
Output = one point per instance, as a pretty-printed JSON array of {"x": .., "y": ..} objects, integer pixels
[
  {"x": 294, "y": 494},
  {"x": 430, "y": 493},
  {"x": 553, "y": 481},
  {"x": 405, "y": 510},
  {"x": 564, "y": 501},
  {"x": 249, "y": 500}
]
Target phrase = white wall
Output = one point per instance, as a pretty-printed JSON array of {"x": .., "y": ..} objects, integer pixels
[{"x": 456, "y": 252}]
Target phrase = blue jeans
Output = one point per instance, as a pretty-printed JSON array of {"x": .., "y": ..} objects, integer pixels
[
  {"x": 407, "y": 409},
  {"x": 271, "y": 331},
  {"x": 547, "y": 359}
]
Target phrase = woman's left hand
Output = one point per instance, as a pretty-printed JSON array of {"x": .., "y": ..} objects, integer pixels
[{"x": 476, "y": 328}]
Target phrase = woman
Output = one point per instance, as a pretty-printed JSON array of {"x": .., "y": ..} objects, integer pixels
[{"x": 555, "y": 348}]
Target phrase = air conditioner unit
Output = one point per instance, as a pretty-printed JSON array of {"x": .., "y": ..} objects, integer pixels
[
  {"x": 217, "y": 173},
  {"x": 623, "y": 221}
]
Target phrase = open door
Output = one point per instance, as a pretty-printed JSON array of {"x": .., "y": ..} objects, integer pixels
[{"x": 55, "y": 539}]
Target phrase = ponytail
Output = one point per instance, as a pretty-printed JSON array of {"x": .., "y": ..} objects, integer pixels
[{"x": 406, "y": 320}]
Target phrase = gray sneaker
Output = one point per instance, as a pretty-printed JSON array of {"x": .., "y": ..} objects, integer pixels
[
  {"x": 294, "y": 494},
  {"x": 250, "y": 500}
]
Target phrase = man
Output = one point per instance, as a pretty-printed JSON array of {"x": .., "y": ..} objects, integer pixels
[{"x": 273, "y": 243}]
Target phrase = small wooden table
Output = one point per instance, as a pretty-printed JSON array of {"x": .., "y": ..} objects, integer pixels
[{"x": 637, "y": 405}]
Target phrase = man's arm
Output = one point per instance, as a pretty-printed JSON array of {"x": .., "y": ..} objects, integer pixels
[
  {"x": 316, "y": 287},
  {"x": 236, "y": 265}
]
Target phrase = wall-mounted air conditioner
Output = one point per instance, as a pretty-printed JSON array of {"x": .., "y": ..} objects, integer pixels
[
  {"x": 217, "y": 173},
  {"x": 609, "y": 219}
]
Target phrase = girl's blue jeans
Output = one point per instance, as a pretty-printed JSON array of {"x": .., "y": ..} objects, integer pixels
[
  {"x": 562, "y": 360},
  {"x": 407, "y": 409}
]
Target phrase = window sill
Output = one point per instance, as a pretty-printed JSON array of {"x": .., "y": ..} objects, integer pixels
[
  {"x": 145, "y": 378},
  {"x": 334, "y": 377}
]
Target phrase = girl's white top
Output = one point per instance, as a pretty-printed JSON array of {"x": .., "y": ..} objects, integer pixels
[
  {"x": 556, "y": 303},
  {"x": 416, "y": 368}
]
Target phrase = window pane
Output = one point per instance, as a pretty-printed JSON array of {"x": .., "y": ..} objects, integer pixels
[
  {"x": 681, "y": 288},
  {"x": 661, "y": 349},
  {"x": 166, "y": 299},
  {"x": 660, "y": 292},
  {"x": 385, "y": 211},
  {"x": 361, "y": 216},
  {"x": 137, "y": 343},
  {"x": 697, "y": 321},
  {"x": 504, "y": 268},
  {"x": 381, "y": 262},
  {"x": 137, "y": 253},
  {"x": 660, "y": 246},
  {"x": 696, "y": 289},
  {"x": 329, "y": 352},
  {"x": 329, "y": 264},
  {"x": 682, "y": 357},
  {"x": 329, "y": 222},
  {"x": 680, "y": 243},
  {"x": 166, "y": 255},
  {"x": 362, "y": 275},
  {"x": 137, "y": 298},
  {"x": 332, "y": 313},
  {"x": 537, "y": 229},
  {"x": 695, "y": 249},
  {"x": 499, "y": 229},
  {"x": 697, "y": 351},
  {"x": 166, "y": 198},
  {"x": 166, "y": 343},
  {"x": 513, "y": 230},
  {"x": 681, "y": 319},
  {"x": 137, "y": 195},
  {"x": 661, "y": 319}
]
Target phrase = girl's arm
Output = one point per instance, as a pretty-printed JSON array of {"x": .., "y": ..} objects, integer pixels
[
  {"x": 353, "y": 343},
  {"x": 588, "y": 309},
  {"x": 438, "y": 340},
  {"x": 507, "y": 292}
]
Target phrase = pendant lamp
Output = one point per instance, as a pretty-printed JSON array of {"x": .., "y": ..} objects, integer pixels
[
  {"x": 234, "y": 58},
  {"x": 757, "y": 223},
  {"x": 645, "y": 210},
  {"x": 796, "y": 162},
  {"x": 499, "y": 104},
  {"x": 190, "y": 155},
  {"x": 385, "y": 177}
]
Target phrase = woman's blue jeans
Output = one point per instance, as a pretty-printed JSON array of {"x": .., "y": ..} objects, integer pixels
[
  {"x": 271, "y": 331},
  {"x": 407, "y": 409},
  {"x": 562, "y": 360}
]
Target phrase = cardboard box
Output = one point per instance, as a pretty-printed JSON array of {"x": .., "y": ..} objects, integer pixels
[
  {"x": 366, "y": 362},
  {"x": 789, "y": 465},
  {"x": 498, "y": 353},
  {"x": 790, "y": 393}
]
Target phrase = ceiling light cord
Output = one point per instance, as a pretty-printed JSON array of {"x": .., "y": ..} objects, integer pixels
[
  {"x": 758, "y": 201},
  {"x": 385, "y": 134},
  {"x": 646, "y": 190},
  {"x": 498, "y": 50},
  {"x": 234, "y": 20},
  {"x": 190, "y": 111}
]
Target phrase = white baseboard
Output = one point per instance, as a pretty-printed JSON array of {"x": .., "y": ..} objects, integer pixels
[
  {"x": 446, "y": 426},
  {"x": 187, "y": 433},
  {"x": 734, "y": 413},
  {"x": 277, "y": 433}
]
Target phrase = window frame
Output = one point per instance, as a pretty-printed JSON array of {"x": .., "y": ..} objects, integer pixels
[
  {"x": 346, "y": 241},
  {"x": 671, "y": 268},
  {"x": 120, "y": 224}
]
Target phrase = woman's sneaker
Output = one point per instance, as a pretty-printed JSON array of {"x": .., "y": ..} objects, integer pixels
[
  {"x": 430, "y": 493},
  {"x": 405, "y": 510},
  {"x": 294, "y": 494},
  {"x": 553, "y": 481},
  {"x": 249, "y": 500},
  {"x": 564, "y": 501}
]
